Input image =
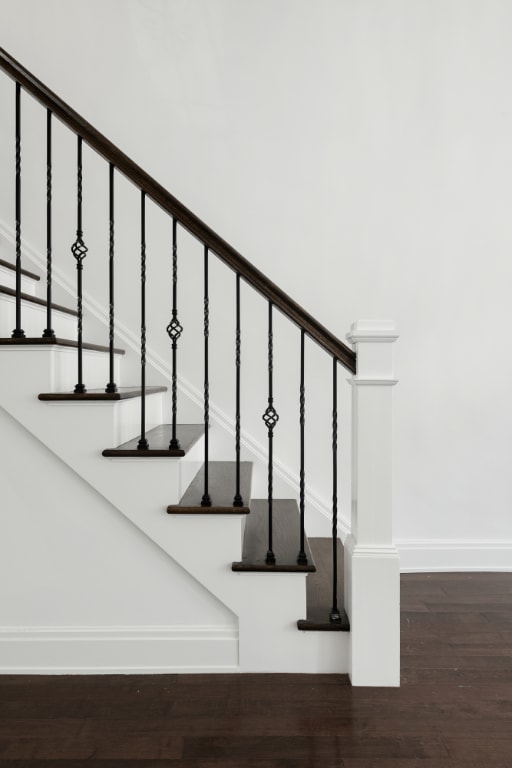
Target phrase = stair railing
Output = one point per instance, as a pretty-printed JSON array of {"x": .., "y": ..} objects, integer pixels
[{"x": 212, "y": 243}]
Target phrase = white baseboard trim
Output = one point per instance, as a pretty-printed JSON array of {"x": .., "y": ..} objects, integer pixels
[
  {"x": 446, "y": 555},
  {"x": 118, "y": 650}
]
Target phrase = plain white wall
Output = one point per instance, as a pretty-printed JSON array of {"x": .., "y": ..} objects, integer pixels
[
  {"x": 70, "y": 559},
  {"x": 358, "y": 153}
]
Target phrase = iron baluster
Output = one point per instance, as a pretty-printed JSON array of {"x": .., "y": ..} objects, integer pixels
[
  {"x": 270, "y": 417},
  {"x": 302, "y": 557},
  {"x": 206, "y": 500},
  {"x": 238, "y": 500},
  {"x": 18, "y": 332},
  {"x": 111, "y": 386},
  {"x": 174, "y": 329},
  {"x": 143, "y": 444},
  {"x": 335, "y": 615},
  {"x": 48, "y": 332},
  {"x": 79, "y": 251}
]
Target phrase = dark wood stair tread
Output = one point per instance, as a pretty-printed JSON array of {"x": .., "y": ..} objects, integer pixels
[
  {"x": 25, "y": 272},
  {"x": 319, "y": 589},
  {"x": 159, "y": 439},
  {"x": 7, "y": 341},
  {"x": 285, "y": 538},
  {"x": 35, "y": 300},
  {"x": 123, "y": 393},
  {"x": 221, "y": 487}
]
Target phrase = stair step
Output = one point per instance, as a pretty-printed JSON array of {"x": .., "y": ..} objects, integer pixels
[
  {"x": 25, "y": 272},
  {"x": 158, "y": 439},
  {"x": 123, "y": 393},
  {"x": 285, "y": 539},
  {"x": 35, "y": 300},
  {"x": 7, "y": 341},
  {"x": 319, "y": 589},
  {"x": 221, "y": 487}
]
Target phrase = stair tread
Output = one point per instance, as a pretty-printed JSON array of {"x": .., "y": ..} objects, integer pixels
[
  {"x": 36, "y": 300},
  {"x": 123, "y": 393},
  {"x": 7, "y": 341},
  {"x": 285, "y": 538},
  {"x": 221, "y": 487},
  {"x": 158, "y": 439},
  {"x": 319, "y": 589},
  {"x": 24, "y": 272}
]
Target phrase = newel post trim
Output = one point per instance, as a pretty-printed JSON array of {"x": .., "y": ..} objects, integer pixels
[{"x": 372, "y": 569}]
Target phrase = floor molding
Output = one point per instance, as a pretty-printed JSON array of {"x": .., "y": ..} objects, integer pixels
[
  {"x": 447, "y": 555},
  {"x": 111, "y": 650}
]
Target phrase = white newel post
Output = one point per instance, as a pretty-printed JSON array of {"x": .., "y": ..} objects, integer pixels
[{"x": 372, "y": 572}]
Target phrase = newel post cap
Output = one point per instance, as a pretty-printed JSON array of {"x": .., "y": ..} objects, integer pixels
[
  {"x": 372, "y": 331},
  {"x": 373, "y": 340}
]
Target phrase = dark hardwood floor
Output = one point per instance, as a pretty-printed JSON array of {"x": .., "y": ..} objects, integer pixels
[{"x": 453, "y": 710}]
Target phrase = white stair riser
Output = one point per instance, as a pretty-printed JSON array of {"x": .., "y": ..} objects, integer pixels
[
  {"x": 54, "y": 368},
  {"x": 28, "y": 284},
  {"x": 104, "y": 424},
  {"x": 33, "y": 319},
  {"x": 96, "y": 373}
]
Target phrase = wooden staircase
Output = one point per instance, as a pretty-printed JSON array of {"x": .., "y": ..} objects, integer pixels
[
  {"x": 251, "y": 517},
  {"x": 239, "y": 541}
]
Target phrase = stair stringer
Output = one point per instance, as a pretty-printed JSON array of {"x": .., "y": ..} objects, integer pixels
[{"x": 267, "y": 605}]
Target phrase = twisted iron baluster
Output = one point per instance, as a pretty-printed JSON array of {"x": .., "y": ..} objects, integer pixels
[
  {"x": 238, "y": 500},
  {"x": 18, "y": 332},
  {"x": 174, "y": 329},
  {"x": 302, "y": 557},
  {"x": 270, "y": 417},
  {"x": 206, "y": 500},
  {"x": 48, "y": 332},
  {"x": 79, "y": 251},
  {"x": 111, "y": 386},
  {"x": 143, "y": 444},
  {"x": 335, "y": 615}
]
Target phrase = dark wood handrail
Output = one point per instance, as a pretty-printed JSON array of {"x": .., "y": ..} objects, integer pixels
[{"x": 186, "y": 218}]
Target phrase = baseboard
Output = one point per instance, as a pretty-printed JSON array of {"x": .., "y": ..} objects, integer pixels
[
  {"x": 118, "y": 650},
  {"x": 446, "y": 555}
]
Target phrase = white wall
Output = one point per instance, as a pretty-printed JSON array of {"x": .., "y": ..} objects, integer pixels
[
  {"x": 72, "y": 564},
  {"x": 360, "y": 155}
]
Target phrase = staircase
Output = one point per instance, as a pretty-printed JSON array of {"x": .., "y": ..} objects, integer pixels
[
  {"x": 36, "y": 389},
  {"x": 177, "y": 483}
]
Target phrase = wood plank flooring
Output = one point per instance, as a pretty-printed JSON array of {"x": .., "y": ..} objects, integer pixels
[{"x": 454, "y": 709}]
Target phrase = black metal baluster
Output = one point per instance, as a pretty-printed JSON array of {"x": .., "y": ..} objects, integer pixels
[
  {"x": 302, "y": 557},
  {"x": 238, "y": 500},
  {"x": 143, "y": 444},
  {"x": 206, "y": 500},
  {"x": 79, "y": 251},
  {"x": 174, "y": 329},
  {"x": 48, "y": 332},
  {"x": 270, "y": 417},
  {"x": 335, "y": 615},
  {"x": 18, "y": 332},
  {"x": 111, "y": 386}
]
